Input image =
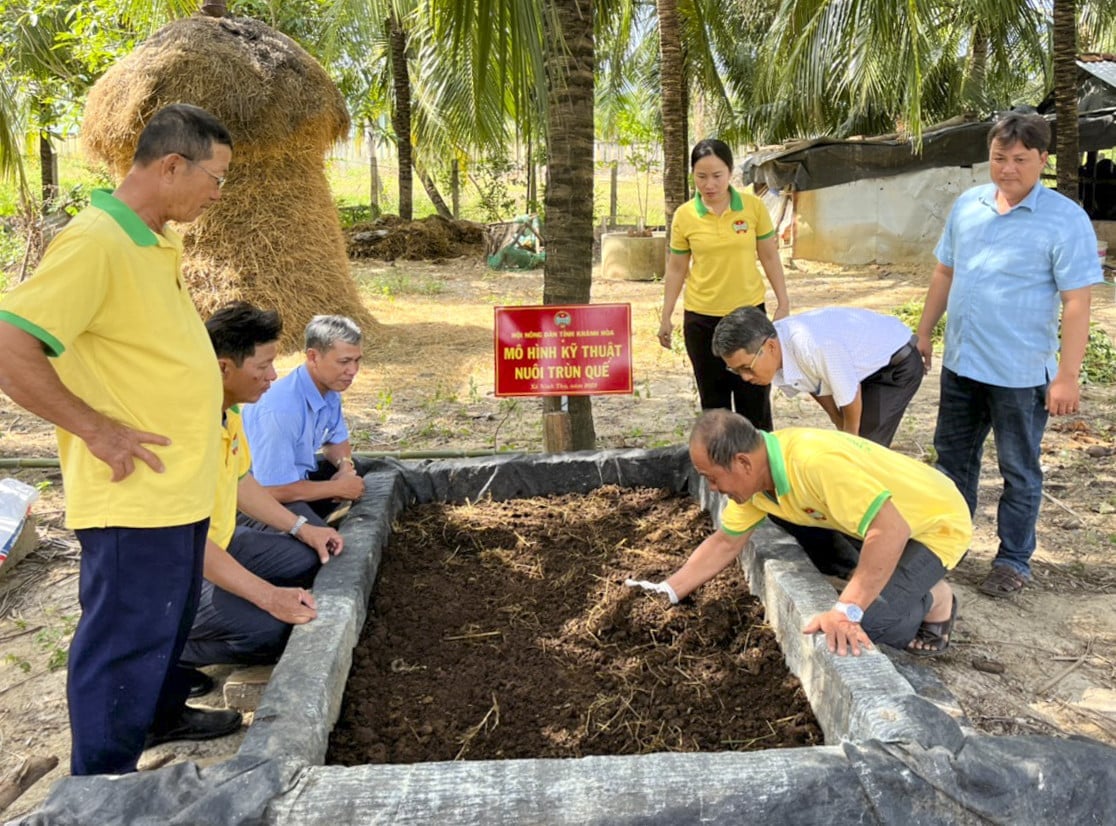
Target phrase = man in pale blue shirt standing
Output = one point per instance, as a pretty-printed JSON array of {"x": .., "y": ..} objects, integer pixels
[
  {"x": 300, "y": 443},
  {"x": 1013, "y": 253}
]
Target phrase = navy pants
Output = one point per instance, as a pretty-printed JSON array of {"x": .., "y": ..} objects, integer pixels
[
  {"x": 138, "y": 590},
  {"x": 324, "y": 472},
  {"x": 229, "y": 629},
  {"x": 1017, "y": 418}
]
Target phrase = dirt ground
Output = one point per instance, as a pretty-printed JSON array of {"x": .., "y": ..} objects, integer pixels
[
  {"x": 428, "y": 386},
  {"x": 503, "y": 630}
]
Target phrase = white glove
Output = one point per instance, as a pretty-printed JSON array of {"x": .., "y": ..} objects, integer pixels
[{"x": 661, "y": 587}]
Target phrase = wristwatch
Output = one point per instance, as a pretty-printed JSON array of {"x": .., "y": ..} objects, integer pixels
[
  {"x": 297, "y": 526},
  {"x": 852, "y": 611}
]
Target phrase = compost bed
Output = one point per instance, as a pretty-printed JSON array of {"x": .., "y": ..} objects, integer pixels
[
  {"x": 503, "y": 630},
  {"x": 893, "y": 754}
]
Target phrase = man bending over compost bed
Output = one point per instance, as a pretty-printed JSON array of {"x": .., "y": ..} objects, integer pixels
[
  {"x": 300, "y": 442},
  {"x": 255, "y": 579},
  {"x": 910, "y": 521},
  {"x": 862, "y": 367}
]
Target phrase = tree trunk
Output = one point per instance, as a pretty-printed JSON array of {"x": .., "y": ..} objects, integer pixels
[
  {"x": 373, "y": 175},
  {"x": 432, "y": 190},
  {"x": 672, "y": 81},
  {"x": 401, "y": 114},
  {"x": 455, "y": 187},
  {"x": 568, "y": 201},
  {"x": 974, "y": 88},
  {"x": 48, "y": 173},
  {"x": 1065, "y": 96}
]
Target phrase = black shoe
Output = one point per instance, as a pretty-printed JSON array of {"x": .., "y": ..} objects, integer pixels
[
  {"x": 200, "y": 683},
  {"x": 195, "y": 724}
]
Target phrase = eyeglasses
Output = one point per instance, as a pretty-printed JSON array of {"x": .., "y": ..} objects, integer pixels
[
  {"x": 219, "y": 179},
  {"x": 740, "y": 371}
]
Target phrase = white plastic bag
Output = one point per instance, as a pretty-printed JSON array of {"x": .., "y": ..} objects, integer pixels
[{"x": 15, "y": 503}]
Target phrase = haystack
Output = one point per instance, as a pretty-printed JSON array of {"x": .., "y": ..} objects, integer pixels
[{"x": 274, "y": 239}]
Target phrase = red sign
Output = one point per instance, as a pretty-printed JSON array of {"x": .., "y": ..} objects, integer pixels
[{"x": 564, "y": 350}]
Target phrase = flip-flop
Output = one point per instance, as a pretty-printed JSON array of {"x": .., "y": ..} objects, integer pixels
[{"x": 938, "y": 634}]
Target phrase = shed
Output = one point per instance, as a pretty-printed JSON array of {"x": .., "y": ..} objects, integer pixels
[{"x": 881, "y": 200}]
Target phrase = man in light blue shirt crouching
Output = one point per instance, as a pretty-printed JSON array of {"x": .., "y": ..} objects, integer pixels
[{"x": 300, "y": 442}]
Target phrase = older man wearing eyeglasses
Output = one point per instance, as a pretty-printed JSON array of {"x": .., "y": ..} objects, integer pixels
[
  {"x": 105, "y": 342},
  {"x": 862, "y": 367}
]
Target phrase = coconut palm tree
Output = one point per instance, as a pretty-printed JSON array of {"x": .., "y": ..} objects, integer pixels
[
  {"x": 871, "y": 66},
  {"x": 673, "y": 73},
  {"x": 1065, "y": 95}
]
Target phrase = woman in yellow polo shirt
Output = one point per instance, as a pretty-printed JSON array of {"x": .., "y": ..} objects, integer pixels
[{"x": 714, "y": 242}]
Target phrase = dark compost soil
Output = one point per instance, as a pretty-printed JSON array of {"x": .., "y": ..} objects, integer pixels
[{"x": 503, "y": 630}]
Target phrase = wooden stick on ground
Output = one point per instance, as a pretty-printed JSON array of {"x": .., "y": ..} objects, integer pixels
[
  {"x": 1065, "y": 672},
  {"x": 1064, "y": 507}
]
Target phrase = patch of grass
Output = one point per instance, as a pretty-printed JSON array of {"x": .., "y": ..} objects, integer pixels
[
  {"x": 394, "y": 282},
  {"x": 55, "y": 642},
  {"x": 1099, "y": 364},
  {"x": 911, "y": 313}
]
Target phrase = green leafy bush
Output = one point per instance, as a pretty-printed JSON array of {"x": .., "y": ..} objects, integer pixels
[
  {"x": 1099, "y": 364},
  {"x": 911, "y": 313}
]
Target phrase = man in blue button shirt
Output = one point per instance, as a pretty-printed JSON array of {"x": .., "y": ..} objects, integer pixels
[
  {"x": 300, "y": 443},
  {"x": 1013, "y": 253}
]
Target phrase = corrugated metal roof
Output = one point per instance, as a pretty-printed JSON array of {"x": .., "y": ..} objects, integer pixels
[{"x": 1102, "y": 67}]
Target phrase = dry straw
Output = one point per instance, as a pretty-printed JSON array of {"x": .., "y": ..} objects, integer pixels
[{"x": 274, "y": 238}]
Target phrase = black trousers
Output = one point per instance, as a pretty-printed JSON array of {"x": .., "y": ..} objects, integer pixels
[
  {"x": 229, "y": 629},
  {"x": 324, "y": 472},
  {"x": 884, "y": 398},
  {"x": 717, "y": 386}
]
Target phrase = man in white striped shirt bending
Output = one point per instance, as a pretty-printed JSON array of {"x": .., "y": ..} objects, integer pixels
[{"x": 862, "y": 367}]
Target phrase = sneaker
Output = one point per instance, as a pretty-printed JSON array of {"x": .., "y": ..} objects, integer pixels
[
  {"x": 195, "y": 724},
  {"x": 200, "y": 683}
]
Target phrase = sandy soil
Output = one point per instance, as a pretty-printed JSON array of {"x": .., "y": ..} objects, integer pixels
[{"x": 428, "y": 386}]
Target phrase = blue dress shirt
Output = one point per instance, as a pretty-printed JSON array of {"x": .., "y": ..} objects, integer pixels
[
  {"x": 289, "y": 425},
  {"x": 1008, "y": 273}
]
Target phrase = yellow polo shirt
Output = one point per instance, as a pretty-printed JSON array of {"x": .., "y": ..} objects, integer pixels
[
  {"x": 723, "y": 271},
  {"x": 108, "y": 302},
  {"x": 830, "y": 479},
  {"x": 236, "y": 461}
]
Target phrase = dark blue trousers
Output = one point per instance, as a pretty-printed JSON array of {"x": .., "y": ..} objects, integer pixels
[
  {"x": 967, "y": 411},
  {"x": 138, "y": 589},
  {"x": 229, "y": 629}
]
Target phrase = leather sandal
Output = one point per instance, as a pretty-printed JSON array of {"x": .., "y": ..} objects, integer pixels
[
  {"x": 934, "y": 637},
  {"x": 1001, "y": 582}
]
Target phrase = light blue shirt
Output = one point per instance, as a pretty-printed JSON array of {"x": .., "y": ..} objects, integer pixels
[
  {"x": 289, "y": 425},
  {"x": 829, "y": 352},
  {"x": 1008, "y": 273}
]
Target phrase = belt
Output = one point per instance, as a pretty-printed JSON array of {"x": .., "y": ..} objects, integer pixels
[{"x": 904, "y": 352}]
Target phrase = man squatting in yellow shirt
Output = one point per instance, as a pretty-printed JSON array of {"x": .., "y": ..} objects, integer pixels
[
  {"x": 255, "y": 578},
  {"x": 910, "y": 520}
]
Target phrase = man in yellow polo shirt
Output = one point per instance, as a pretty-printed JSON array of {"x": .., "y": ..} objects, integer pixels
[
  {"x": 911, "y": 522},
  {"x": 104, "y": 342},
  {"x": 256, "y": 578}
]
